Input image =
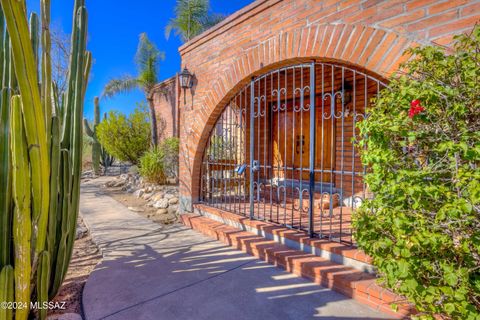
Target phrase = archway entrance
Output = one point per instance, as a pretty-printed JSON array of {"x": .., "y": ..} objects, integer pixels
[{"x": 283, "y": 150}]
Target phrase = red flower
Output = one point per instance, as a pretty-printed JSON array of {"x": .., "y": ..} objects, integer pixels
[{"x": 415, "y": 108}]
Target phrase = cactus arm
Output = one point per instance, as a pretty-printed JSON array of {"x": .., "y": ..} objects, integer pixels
[
  {"x": 6, "y": 60},
  {"x": 34, "y": 26},
  {"x": 43, "y": 276},
  {"x": 54, "y": 187},
  {"x": 34, "y": 117},
  {"x": 21, "y": 219},
  {"x": 61, "y": 245},
  {"x": 47, "y": 89},
  {"x": 86, "y": 127},
  {"x": 77, "y": 116},
  {"x": 6, "y": 291},
  {"x": 2, "y": 47},
  {"x": 5, "y": 179},
  {"x": 74, "y": 69}
]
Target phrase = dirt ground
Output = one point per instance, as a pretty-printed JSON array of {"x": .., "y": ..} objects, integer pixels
[
  {"x": 85, "y": 257},
  {"x": 137, "y": 205}
]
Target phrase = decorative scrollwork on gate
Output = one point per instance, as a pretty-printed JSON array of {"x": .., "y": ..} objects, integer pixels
[{"x": 298, "y": 125}]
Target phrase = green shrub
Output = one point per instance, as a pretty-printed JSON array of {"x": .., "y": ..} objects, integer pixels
[
  {"x": 423, "y": 150},
  {"x": 125, "y": 138},
  {"x": 161, "y": 163},
  {"x": 170, "y": 148},
  {"x": 151, "y": 166}
]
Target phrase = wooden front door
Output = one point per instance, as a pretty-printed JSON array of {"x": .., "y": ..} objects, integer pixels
[{"x": 291, "y": 143}]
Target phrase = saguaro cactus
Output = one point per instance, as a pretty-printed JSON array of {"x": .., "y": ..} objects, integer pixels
[
  {"x": 40, "y": 155},
  {"x": 100, "y": 156},
  {"x": 91, "y": 132}
]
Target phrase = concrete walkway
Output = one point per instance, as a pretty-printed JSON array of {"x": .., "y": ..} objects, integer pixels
[{"x": 155, "y": 272}]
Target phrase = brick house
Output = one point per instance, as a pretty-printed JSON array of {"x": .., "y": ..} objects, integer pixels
[
  {"x": 267, "y": 130},
  {"x": 347, "y": 49}
]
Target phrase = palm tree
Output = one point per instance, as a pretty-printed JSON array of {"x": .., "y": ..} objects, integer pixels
[
  {"x": 147, "y": 60},
  {"x": 192, "y": 17}
]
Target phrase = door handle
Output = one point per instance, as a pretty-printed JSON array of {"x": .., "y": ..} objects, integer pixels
[{"x": 256, "y": 166}]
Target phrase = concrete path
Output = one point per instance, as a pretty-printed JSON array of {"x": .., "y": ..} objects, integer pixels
[{"x": 155, "y": 272}]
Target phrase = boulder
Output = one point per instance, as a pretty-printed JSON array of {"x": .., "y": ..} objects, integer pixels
[
  {"x": 139, "y": 193},
  {"x": 157, "y": 196},
  {"x": 162, "y": 211},
  {"x": 119, "y": 183},
  {"x": 161, "y": 204},
  {"x": 173, "y": 201},
  {"x": 133, "y": 170},
  {"x": 173, "y": 209},
  {"x": 81, "y": 232},
  {"x": 147, "y": 196},
  {"x": 168, "y": 196},
  {"x": 167, "y": 218}
]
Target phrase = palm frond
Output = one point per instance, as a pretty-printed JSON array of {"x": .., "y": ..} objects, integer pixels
[
  {"x": 213, "y": 19},
  {"x": 147, "y": 59},
  {"x": 192, "y": 17},
  {"x": 121, "y": 85}
]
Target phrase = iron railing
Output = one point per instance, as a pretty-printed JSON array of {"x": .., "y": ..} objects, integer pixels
[{"x": 283, "y": 150}]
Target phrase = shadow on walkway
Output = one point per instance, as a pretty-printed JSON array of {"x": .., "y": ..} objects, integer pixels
[{"x": 155, "y": 272}]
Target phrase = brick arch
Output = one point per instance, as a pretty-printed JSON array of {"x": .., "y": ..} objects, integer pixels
[{"x": 370, "y": 50}]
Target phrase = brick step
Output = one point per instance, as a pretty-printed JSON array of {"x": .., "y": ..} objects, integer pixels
[
  {"x": 295, "y": 239},
  {"x": 349, "y": 281}
]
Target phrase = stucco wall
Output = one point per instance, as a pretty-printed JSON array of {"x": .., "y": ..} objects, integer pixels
[{"x": 370, "y": 35}]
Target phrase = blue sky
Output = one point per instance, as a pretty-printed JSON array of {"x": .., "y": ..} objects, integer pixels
[{"x": 114, "y": 27}]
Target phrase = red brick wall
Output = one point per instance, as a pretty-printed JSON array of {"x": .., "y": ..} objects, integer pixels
[
  {"x": 165, "y": 98},
  {"x": 370, "y": 35}
]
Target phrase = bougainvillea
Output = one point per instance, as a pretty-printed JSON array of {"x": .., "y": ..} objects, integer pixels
[{"x": 422, "y": 147}]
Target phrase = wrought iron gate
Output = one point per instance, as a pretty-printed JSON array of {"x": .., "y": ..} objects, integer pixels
[{"x": 283, "y": 150}]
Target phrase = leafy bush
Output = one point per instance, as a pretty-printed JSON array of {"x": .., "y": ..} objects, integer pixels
[
  {"x": 161, "y": 163},
  {"x": 151, "y": 166},
  {"x": 170, "y": 148},
  {"x": 423, "y": 150},
  {"x": 125, "y": 138}
]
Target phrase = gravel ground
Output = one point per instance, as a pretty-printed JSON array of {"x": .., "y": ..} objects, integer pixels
[{"x": 84, "y": 259}]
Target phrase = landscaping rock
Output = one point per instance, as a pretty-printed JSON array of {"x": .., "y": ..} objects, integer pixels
[
  {"x": 147, "y": 196},
  {"x": 139, "y": 193},
  {"x": 81, "y": 232},
  {"x": 173, "y": 201},
  {"x": 162, "y": 211},
  {"x": 168, "y": 196},
  {"x": 157, "y": 196},
  {"x": 136, "y": 209},
  {"x": 173, "y": 209},
  {"x": 119, "y": 183},
  {"x": 161, "y": 204},
  {"x": 167, "y": 218},
  {"x": 133, "y": 170}
]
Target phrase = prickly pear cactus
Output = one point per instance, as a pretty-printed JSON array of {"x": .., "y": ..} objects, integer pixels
[{"x": 40, "y": 155}]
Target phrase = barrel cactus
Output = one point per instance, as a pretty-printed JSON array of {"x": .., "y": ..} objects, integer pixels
[{"x": 40, "y": 155}]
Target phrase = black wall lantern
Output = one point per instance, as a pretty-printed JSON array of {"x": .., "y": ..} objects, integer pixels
[{"x": 186, "y": 82}]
